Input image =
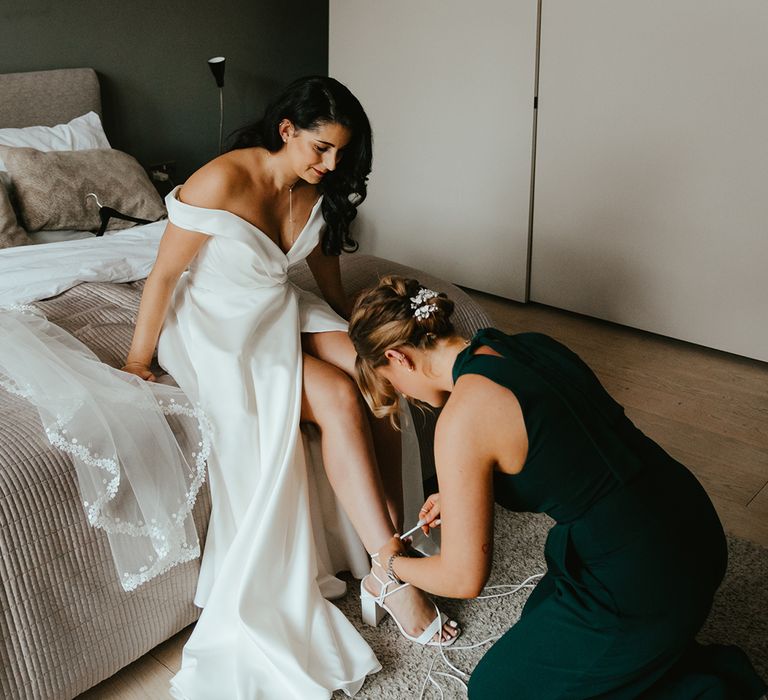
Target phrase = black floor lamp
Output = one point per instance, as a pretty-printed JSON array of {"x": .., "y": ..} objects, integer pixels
[{"x": 217, "y": 66}]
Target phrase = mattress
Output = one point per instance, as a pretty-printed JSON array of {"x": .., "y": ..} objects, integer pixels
[{"x": 66, "y": 623}]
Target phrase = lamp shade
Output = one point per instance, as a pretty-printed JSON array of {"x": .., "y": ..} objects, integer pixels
[{"x": 217, "y": 65}]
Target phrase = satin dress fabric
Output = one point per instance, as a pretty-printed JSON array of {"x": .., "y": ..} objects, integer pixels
[{"x": 232, "y": 341}]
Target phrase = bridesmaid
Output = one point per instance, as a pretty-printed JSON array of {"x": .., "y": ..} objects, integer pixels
[{"x": 637, "y": 551}]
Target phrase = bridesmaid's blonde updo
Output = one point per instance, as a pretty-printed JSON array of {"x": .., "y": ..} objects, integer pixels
[{"x": 384, "y": 318}]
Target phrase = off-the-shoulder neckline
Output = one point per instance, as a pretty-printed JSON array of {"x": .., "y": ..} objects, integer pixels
[{"x": 287, "y": 253}]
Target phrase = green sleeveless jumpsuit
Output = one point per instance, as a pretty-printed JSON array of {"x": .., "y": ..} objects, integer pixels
[{"x": 633, "y": 560}]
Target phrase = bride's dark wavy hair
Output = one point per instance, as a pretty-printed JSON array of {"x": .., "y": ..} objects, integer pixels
[{"x": 308, "y": 103}]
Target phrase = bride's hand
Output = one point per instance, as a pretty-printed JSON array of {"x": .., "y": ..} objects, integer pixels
[
  {"x": 430, "y": 512},
  {"x": 140, "y": 370}
]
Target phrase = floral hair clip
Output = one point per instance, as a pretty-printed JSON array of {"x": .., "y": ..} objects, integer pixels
[{"x": 421, "y": 309}]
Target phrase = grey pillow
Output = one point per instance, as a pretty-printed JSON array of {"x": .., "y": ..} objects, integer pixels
[
  {"x": 51, "y": 188},
  {"x": 11, "y": 234}
]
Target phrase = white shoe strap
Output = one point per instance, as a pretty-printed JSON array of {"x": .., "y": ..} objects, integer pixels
[
  {"x": 385, "y": 591},
  {"x": 434, "y": 627}
]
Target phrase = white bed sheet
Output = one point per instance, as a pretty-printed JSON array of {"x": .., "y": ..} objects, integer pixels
[
  {"x": 33, "y": 272},
  {"x": 58, "y": 236}
]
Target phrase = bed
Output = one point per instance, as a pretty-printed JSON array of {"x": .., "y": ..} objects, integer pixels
[{"x": 66, "y": 622}]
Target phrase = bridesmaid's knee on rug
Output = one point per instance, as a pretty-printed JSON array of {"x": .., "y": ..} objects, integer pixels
[
  {"x": 503, "y": 672},
  {"x": 490, "y": 681}
]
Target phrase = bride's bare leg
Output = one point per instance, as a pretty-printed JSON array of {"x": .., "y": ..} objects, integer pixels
[
  {"x": 388, "y": 447},
  {"x": 331, "y": 401},
  {"x": 336, "y": 348}
]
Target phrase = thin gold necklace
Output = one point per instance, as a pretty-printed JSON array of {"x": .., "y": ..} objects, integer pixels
[{"x": 290, "y": 215}]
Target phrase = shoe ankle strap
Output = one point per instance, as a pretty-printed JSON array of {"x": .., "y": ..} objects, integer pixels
[
  {"x": 385, "y": 585},
  {"x": 388, "y": 570},
  {"x": 385, "y": 591}
]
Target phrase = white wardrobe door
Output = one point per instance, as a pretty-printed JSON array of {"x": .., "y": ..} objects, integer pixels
[
  {"x": 448, "y": 86},
  {"x": 651, "y": 192}
]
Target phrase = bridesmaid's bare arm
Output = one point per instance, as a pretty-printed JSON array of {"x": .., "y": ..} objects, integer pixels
[{"x": 474, "y": 434}]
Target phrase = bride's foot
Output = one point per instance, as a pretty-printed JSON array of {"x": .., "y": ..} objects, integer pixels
[{"x": 410, "y": 606}]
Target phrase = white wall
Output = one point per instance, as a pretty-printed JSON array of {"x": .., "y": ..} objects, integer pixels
[
  {"x": 651, "y": 201},
  {"x": 448, "y": 86}
]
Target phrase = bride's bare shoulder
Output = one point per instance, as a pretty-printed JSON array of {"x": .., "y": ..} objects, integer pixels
[{"x": 215, "y": 184}]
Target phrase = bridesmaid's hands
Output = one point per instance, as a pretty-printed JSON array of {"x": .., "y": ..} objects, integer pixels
[
  {"x": 140, "y": 369},
  {"x": 392, "y": 546},
  {"x": 430, "y": 512}
]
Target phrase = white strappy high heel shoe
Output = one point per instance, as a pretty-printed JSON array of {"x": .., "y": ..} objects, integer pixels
[{"x": 374, "y": 608}]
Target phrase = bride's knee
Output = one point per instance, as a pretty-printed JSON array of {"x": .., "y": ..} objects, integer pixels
[
  {"x": 340, "y": 401},
  {"x": 347, "y": 400}
]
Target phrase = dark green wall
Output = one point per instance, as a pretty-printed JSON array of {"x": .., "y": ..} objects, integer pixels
[{"x": 159, "y": 98}]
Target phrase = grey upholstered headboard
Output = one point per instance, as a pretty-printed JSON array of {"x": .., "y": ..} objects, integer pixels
[{"x": 49, "y": 97}]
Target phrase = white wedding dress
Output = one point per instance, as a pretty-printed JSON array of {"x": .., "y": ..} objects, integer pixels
[{"x": 232, "y": 341}]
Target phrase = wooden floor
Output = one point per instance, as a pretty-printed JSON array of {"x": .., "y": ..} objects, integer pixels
[
  {"x": 708, "y": 409},
  {"x": 144, "y": 679}
]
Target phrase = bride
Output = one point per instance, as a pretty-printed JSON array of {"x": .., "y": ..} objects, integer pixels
[{"x": 260, "y": 355}]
